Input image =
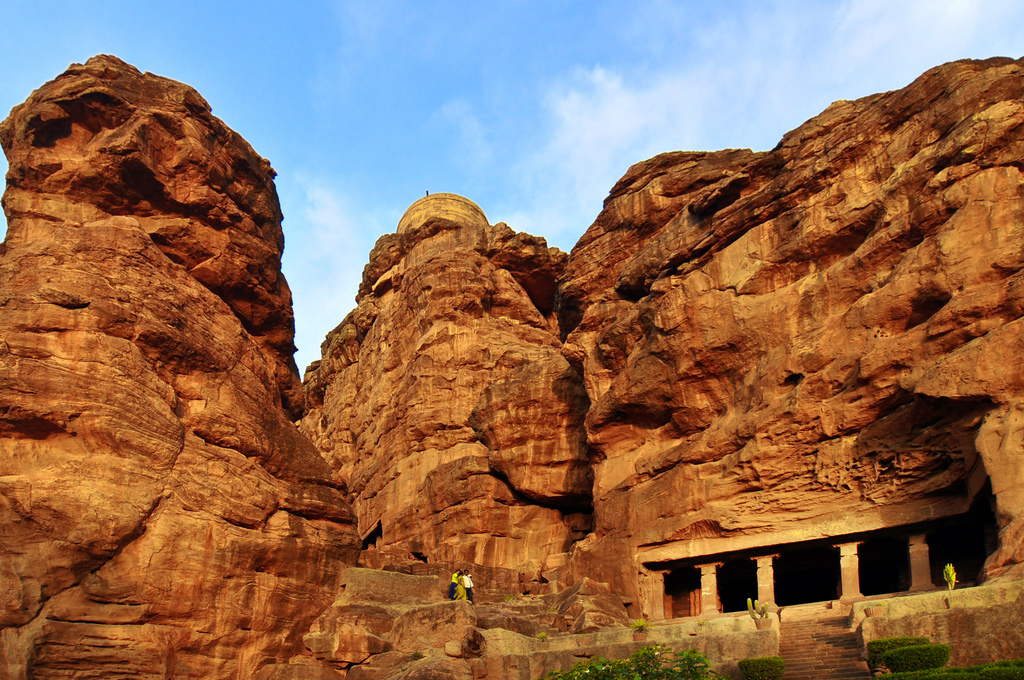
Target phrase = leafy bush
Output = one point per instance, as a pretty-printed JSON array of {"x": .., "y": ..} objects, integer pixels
[
  {"x": 987, "y": 673},
  {"x": 1001, "y": 673},
  {"x": 656, "y": 662},
  {"x": 1000, "y": 670},
  {"x": 882, "y": 645},
  {"x": 931, "y": 673},
  {"x": 763, "y": 668},
  {"x": 916, "y": 657}
]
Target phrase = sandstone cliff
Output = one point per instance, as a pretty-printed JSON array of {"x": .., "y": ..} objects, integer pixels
[
  {"x": 444, "y": 398},
  {"x": 746, "y": 350},
  {"x": 160, "y": 514},
  {"x": 816, "y": 341}
]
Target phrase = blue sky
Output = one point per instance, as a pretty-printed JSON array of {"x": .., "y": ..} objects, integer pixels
[{"x": 531, "y": 109}]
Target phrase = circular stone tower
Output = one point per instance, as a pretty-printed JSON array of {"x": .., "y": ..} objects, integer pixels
[{"x": 448, "y": 206}]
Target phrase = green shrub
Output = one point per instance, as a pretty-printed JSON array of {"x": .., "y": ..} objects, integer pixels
[
  {"x": 878, "y": 647},
  {"x": 763, "y": 668},
  {"x": 1000, "y": 670},
  {"x": 916, "y": 657},
  {"x": 639, "y": 625},
  {"x": 656, "y": 662},
  {"x": 1002, "y": 673},
  {"x": 933, "y": 674}
]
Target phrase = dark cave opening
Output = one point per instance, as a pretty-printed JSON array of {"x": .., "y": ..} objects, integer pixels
[
  {"x": 965, "y": 542},
  {"x": 371, "y": 538},
  {"x": 737, "y": 580},
  {"x": 805, "y": 575},
  {"x": 883, "y": 565},
  {"x": 682, "y": 592}
]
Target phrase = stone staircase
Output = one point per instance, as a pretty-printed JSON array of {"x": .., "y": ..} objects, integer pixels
[{"x": 816, "y": 644}]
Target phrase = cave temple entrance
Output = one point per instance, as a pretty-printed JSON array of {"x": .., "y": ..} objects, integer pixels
[{"x": 904, "y": 559}]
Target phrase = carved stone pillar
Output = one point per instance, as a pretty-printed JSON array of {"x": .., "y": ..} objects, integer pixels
[
  {"x": 920, "y": 564},
  {"x": 709, "y": 588},
  {"x": 766, "y": 579},
  {"x": 849, "y": 565},
  {"x": 655, "y": 596}
]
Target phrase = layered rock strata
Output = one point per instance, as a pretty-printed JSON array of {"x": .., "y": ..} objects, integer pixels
[
  {"x": 816, "y": 341},
  {"x": 444, "y": 398},
  {"x": 746, "y": 350},
  {"x": 160, "y": 514}
]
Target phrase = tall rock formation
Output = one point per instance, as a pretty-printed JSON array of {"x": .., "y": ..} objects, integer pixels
[
  {"x": 745, "y": 355},
  {"x": 160, "y": 514},
  {"x": 747, "y": 351},
  {"x": 444, "y": 398}
]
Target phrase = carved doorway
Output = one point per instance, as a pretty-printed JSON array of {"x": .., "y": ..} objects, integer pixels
[
  {"x": 884, "y": 567},
  {"x": 682, "y": 592},
  {"x": 737, "y": 580},
  {"x": 805, "y": 575}
]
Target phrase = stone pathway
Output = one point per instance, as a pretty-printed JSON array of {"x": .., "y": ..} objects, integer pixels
[{"x": 816, "y": 643}]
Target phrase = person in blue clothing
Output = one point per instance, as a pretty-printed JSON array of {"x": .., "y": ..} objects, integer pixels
[{"x": 456, "y": 582}]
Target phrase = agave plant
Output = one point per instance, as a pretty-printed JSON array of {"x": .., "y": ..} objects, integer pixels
[{"x": 949, "y": 573}]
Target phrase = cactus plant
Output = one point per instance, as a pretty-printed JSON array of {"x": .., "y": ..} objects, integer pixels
[{"x": 756, "y": 609}]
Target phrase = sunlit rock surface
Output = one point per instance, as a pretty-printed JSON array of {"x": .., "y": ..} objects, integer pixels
[
  {"x": 444, "y": 398},
  {"x": 745, "y": 351},
  {"x": 160, "y": 514},
  {"x": 814, "y": 341}
]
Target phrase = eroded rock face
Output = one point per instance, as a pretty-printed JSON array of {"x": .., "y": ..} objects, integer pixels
[
  {"x": 444, "y": 398},
  {"x": 745, "y": 350},
  {"x": 813, "y": 341},
  {"x": 160, "y": 514}
]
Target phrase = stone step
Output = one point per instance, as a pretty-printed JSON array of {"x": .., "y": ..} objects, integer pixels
[
  {"x": 816, "y": 644},
  {"x": 817, "y": 661},
  {"x": 833, "y": 663}
]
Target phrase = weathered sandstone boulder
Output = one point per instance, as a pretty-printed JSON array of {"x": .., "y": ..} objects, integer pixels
[
  {"x": 160, "y": 514},
  {"x": 444, "y": 399}
]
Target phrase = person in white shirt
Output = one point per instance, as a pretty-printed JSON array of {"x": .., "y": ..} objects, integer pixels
[{"x": 467, "y": 581}]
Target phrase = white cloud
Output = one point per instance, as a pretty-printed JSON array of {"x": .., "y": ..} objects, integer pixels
[
  {"x": 598, "y": 124},
  {"x": 327, "y": 247},
  {"x": 470, "y": 148},
  {"x": 734, "y": 80}
]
